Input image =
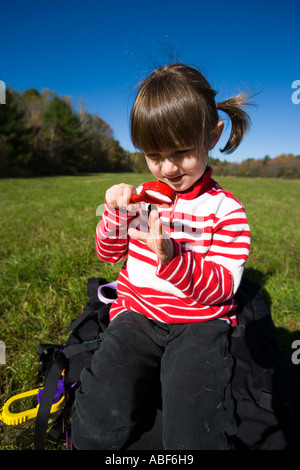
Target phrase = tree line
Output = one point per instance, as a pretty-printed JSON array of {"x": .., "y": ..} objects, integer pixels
[
  {"x": 42, "y": 134},
  {"x": 283, "y": 166}
]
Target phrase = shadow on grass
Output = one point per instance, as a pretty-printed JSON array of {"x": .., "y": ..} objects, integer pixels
[{"x": 285, "y": 337}]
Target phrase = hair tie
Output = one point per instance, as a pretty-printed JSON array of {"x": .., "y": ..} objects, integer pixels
[{"x": 217, "y": 105}]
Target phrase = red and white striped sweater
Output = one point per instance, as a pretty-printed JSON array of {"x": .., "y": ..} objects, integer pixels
[{"x": 211, "y": 237}]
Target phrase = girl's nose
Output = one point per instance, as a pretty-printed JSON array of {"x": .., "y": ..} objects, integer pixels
[{"x": 169, "y": 167}]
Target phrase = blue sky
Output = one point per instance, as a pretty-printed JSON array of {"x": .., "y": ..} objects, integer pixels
[{"x": 99, "y": 50}]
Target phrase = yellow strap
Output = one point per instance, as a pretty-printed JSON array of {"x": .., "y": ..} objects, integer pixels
[{"x": 12, "y": 419}]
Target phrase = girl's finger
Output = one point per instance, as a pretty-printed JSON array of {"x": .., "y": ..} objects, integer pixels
[
  {"x": 153, "y": 223},
  {"x": 138, "y": 235}
]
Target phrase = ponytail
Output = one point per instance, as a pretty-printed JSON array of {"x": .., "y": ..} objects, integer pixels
[{"x": 240, "y": 121}]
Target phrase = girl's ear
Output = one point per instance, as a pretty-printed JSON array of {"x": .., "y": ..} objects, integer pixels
[{"x": 216, "y": 134}]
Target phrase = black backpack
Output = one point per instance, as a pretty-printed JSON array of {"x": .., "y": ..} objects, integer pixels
[
  {"x": 64, "y": 363},
  {"x": 266, "y": 396},
  {"x": 267, "y": 411}
]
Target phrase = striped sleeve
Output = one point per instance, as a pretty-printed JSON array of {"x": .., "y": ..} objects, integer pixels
[
  {"x": 112, "y": 234},
  {"x": 214, "y": 277},
  {"x": 231, "y": 244}
]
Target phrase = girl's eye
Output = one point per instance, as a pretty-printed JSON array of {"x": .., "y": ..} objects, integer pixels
[
  {"x": 155, "y": 159},
  {"x": 184, "y": 153},
  {"x": 176, "y": 155},
  {"x": 181, "y": 155}
]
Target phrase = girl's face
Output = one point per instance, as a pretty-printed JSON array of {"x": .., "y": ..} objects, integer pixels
[{"x": 179, "y": 168}]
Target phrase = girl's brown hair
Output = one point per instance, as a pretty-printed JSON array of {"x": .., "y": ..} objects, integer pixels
[{"x": 175, "y": 106}]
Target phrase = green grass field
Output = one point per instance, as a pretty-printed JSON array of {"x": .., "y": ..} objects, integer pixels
[{"x": 47, "y": 253}]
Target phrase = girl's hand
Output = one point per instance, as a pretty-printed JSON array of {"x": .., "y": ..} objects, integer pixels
[
  {"x": 118, "y": 196},
  {"x": 156, "y": 239}
]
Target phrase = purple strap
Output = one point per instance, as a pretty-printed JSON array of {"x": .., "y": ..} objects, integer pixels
[
  {"x": 105, "y": 300},
  {"x": 59, "y": 391}
]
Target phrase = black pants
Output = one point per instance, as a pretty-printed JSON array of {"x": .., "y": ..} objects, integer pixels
[{"x": 195, "y": 372}]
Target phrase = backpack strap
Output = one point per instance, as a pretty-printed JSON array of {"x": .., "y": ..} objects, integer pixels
[
  {"x": 46, "y": 354},
  {"x": 73, "y": 349},
  {"x": 92, "y": 287},
  {"x": 88, "y": 310},
  {"x": 47, "y": 398}
]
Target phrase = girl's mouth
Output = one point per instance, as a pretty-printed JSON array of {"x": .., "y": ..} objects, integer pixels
[{"x": 175, "y": 179}]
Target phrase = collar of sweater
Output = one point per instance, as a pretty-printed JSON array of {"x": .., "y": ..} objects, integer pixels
[{"x": 201, "y": 186}]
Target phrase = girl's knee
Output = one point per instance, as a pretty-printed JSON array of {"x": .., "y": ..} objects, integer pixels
[{"x": 99, "y": 437}]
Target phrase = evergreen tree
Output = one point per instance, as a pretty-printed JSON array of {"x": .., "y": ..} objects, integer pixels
[
  {"x": 15, "y": 151},
  {"x": 63, "y": 138}
]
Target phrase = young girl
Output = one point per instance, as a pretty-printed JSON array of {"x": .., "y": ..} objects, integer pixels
[{"x": 183, "y": 265}]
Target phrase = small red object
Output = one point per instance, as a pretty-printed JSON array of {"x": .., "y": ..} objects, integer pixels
[{"x": 155, "y": 192}]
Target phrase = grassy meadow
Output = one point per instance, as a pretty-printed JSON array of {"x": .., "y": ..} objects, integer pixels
[{"x": 47, "y": 253}]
